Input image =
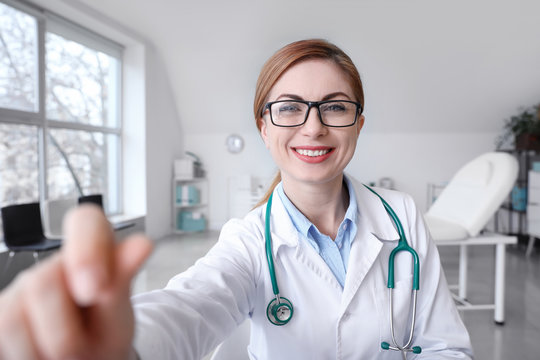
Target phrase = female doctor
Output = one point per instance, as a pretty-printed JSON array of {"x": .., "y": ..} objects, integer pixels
[{"x": 309, "y": 266}]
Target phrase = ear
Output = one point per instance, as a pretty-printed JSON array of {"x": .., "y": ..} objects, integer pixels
[
  {"x": 263, "y": 129},
  {"x": 359, "y": 124}
]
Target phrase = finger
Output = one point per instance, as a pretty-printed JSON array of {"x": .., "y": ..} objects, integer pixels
[
  {"x": 16, "y": 340},
  {"x": 18, "y": 343},
  {"x": 88, "y": 252},
  {"x": 111, "y": 320},
  {"x": 54, "y": 319}
]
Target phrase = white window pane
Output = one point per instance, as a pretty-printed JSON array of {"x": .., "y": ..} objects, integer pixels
[
  {"x": 80, "y": 162},
  {"x": 18, "y": 164},
  {"x": 82, "y": 84},
  {"x": 18, "y": 60}
]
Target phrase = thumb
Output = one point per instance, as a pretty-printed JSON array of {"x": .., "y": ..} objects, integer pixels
[{"x": 130, "y": 255}]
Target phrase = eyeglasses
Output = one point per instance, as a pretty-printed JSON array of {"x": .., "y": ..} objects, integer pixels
[{"x": 332, "y": 113}]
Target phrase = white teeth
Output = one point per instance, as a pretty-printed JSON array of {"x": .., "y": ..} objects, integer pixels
[{"x": 312, "y": 152}]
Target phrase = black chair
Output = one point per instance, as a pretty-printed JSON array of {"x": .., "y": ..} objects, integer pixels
[
  {"x": 23, "y": 231},
  {"x": 94, "y": 199},
  {"x": 98, "y": 200}
]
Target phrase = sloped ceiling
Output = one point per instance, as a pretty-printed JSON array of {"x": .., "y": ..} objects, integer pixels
[{"x": 428, "y": 66}]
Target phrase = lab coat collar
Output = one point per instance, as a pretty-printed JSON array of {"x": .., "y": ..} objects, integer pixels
[{"x": 372, "y": 214}]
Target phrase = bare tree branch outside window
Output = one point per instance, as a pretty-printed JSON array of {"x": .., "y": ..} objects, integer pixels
[{"x": 81, "y": 84}]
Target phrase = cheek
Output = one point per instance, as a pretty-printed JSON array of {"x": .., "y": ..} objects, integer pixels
[
  {"x": 351, "y": 142},
  {"x": 349, "y": 148},
  {"x": 277, "y": 139}
]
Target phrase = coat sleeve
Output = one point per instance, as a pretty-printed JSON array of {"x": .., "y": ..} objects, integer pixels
[
  {"x": 439, "y": 329},
  {"x": 200, "y": 307}
]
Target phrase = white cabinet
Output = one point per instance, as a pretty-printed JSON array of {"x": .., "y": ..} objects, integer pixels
[
  {"x": 533, "y": 203},
  {"x": 190, "y": 205},
  {"x": 245, "y": 191}
]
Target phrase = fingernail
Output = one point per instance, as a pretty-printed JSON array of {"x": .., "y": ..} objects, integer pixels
[{"x": 87, "y": 284}]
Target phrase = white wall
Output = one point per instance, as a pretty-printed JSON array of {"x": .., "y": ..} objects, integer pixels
[
  {"x": 221, "y": 165},
  {"x": 412, "y": 160},
  {"x": 440, "y": 78},
  {"x": 164, "y": 143}
]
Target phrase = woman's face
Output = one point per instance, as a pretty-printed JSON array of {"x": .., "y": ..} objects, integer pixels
[{"x": 312, "y": 152}]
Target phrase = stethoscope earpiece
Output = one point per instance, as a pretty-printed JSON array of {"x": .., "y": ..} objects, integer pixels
[{"x": 279, "y": 311}]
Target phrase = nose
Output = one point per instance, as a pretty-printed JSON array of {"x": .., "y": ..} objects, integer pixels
[{"x": 313, "y": 125}]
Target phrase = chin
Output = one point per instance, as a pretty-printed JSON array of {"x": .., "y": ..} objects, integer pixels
[{"x": 316, "y": 177}]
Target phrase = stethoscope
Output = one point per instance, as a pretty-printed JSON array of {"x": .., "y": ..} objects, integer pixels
[{"x": 280, "y": 309}]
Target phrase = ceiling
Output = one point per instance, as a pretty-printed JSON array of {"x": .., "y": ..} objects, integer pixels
[{"x": 427, "y": 66}]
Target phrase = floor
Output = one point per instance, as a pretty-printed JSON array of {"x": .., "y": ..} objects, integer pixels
[{"x": 518, "y": 338}]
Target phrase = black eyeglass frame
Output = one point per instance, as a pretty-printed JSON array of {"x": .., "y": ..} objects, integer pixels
[{"x": 315, "y": 104}]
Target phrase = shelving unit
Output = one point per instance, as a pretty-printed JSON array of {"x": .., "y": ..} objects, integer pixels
[
  {"x": 190, "y": 205},
  {"x": 518, "y": 216},
  {"x": 433, "y": 191},
  {"x": 533, "y": 210}
]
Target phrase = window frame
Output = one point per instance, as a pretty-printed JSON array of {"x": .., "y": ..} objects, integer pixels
[{"x": 48, "y": 21}]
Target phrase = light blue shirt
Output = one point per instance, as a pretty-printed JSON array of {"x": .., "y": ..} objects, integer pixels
[{"x": 334, "y": 253}]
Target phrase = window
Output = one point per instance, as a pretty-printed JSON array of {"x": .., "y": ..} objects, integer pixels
[{"x": 60, "y": 109}]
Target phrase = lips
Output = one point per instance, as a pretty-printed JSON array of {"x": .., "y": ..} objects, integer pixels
[{"x": 313, "y": 154}]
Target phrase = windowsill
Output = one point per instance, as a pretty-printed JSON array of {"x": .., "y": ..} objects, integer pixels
[
  {"x": 122, "y": 225},
  {"x": 125, "y": 224}
]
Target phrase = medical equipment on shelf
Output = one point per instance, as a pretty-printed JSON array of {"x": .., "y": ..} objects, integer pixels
[{"x": 280, "y": 309}]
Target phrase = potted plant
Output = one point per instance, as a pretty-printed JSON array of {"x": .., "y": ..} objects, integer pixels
[{"x": 524, "y": 128}]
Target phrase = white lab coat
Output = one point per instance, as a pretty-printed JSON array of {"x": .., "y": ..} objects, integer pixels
[{"x": 202, "y": 306}]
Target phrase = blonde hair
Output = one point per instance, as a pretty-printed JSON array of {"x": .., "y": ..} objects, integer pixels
[{"x": 284, "y": 59}]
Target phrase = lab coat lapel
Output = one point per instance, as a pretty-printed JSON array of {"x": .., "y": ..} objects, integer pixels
[
  {"x": 364, "y": 251},
  {"x": 374, "y": 225}
]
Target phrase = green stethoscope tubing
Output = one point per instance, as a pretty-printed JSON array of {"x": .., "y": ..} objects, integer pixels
[
  {"x": 401, "y": 246},
  {"x": 282, "y": 302},
  {"x": 279, "y": 303},
  {"x": 268, "y": 240}
]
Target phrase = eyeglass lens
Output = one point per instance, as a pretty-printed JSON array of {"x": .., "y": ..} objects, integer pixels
[{"x": 332, "y": 113}]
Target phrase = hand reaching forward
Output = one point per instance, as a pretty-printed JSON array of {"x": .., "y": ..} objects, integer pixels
[{"x": 76, "y": 304}]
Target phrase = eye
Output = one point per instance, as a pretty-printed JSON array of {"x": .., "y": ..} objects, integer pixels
[
  {"x": 288, "y": 108},
  {"x": 334, "y": 107}
]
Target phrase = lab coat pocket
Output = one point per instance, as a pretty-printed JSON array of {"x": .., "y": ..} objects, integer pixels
[{"x": 402, "y": 308}]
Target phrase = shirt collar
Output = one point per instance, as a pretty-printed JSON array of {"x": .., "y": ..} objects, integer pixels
[{"x": 301, "y": 222}]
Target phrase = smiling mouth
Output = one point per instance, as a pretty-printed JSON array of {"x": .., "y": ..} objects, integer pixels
[{"x": 312, "y": 153}]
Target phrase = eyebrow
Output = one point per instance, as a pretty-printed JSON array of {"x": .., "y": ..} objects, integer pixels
[{"x": 326, "y": 97}]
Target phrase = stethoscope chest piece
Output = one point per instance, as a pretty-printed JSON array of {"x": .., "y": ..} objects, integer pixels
[{"x": 279, "y": 311}]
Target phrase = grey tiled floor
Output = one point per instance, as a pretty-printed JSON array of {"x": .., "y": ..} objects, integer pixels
[
  {"x": 519, "y": 338},
  {"x": 171, "y": 256}
]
